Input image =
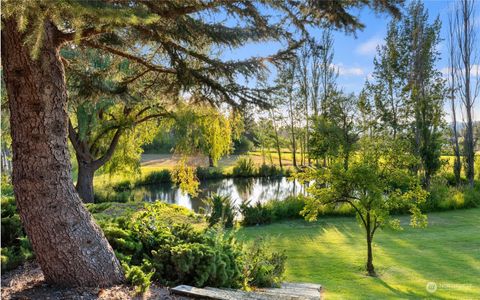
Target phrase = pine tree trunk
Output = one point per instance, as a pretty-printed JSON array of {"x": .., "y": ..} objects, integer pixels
[
  {"x": 70, "y": 248},
  {"x": 85, "y": 182}
]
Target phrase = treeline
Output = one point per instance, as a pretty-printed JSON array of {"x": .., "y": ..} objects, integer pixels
[{"x": 403, "y": 99}]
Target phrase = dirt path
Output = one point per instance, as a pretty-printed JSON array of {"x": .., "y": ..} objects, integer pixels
[{"x": 27, "y": 282}]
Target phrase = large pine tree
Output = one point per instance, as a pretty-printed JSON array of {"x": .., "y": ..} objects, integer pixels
[{"x": 165, "y": 37}]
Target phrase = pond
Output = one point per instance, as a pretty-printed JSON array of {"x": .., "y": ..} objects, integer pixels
[{"x": 239, "y": 189}]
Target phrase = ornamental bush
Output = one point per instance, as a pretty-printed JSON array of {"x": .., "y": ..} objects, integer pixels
[
  {"x": 16, "y": 247},
  {"x": 220, "y": 209},
  {"x": 173, "y": 245}
]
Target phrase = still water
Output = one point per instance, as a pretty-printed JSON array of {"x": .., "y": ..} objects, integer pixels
[{"x": 239, "y": 189}]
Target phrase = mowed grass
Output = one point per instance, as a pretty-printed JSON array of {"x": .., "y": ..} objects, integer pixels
[{"x": 332, "y": 252}]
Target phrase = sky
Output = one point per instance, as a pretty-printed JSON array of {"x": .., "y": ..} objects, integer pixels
[{"x": 354, "y": 53}]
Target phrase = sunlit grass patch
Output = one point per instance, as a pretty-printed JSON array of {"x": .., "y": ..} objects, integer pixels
[{"x": 332, "y": 252}]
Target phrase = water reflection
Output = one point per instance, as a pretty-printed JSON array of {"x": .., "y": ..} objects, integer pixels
[{"x": 239, "y": 189}]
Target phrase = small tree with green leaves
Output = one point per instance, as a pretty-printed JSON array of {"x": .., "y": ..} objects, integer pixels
[{"x": 376, "y": 184}]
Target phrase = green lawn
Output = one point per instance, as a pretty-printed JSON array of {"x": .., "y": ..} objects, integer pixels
[{"x": 331, "y": 252}]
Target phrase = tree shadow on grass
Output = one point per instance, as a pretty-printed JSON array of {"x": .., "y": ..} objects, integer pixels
[{"x": 409, "y": 294}]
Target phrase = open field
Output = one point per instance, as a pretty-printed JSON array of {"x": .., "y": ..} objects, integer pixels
[
  {"x": 151, "y": 162},
  {"x": 332, "y": 252}
]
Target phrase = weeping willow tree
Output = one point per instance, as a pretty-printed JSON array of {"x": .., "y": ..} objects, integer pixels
[
  {"x": 159, "y": 37},
  {"x": 112, "y": 107},
  {"x": 206, "y": 130}
]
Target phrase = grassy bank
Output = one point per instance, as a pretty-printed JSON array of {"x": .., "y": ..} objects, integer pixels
[{"x": 332, "y": 252}]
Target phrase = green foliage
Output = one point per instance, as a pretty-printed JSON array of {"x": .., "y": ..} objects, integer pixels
[
  {"x": 272, "y": 211},
  {"x": 16, "y": 247},
  {"x": 288, "y": 208},
  {"x": 11, "y": 225},
  {"x": 443, "y": 196},
  {"x": 472, "y": 196},
  {"x": 185, "y": 178},
  {"x": 244, "y": 167},
  {"x": 263, "y": 267},
  {"x": 269, "y": 171},
  {"x": 204, "y": 129},
  {"x": 243, "y": 145},
  {"x": 162, "y": 176},
  {"x": 220, "y": 209},
  {"x": 378, "y": 182},
  {"x": 209, "y": 173},
  {"x": 167, "y": 243},
  {"x": 162, "y": 240},
  {"x": 255, "y": 214},
  {"x": 123, "y": 185},
  {"x": 138, "y": 278},
  {"x": 110, "y": 195},
  {"x": 406, "y": 109},
  {"x": 375, "y": 185},
  {"x": 325, "y": 138}
]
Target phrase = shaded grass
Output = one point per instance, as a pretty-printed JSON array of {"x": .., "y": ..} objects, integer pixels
[{"x": 332, "y": 252}]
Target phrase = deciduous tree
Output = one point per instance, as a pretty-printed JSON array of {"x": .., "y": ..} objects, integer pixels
[{"x": 376, "y": 184}]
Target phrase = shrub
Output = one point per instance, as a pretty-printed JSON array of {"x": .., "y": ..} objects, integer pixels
[
  {"x": 110, "y": 195},
  {"x": 122, "y": 186},
  {"x": 164, "y": 242},
  {"x": 269, "y": 171},
  {"x": 162, "y": 176},
  {"x": 220, "y": 209},
  {"x": 272, "y": 210},
  {"x": 175, "y": 253},
  {"x": 16, "y": 247},
  {"x": 255, "y": 214},
  {"x": 138, "y": 278},
  {"x": 244, "y": 167},
  {"x": 472, "y": 196},
  {"x": 451, "y": 181},
  {"x": 6, "y": 186},
  {"x": 444, "y": 197},
  {"x": 243, "y": 145},
  {"x": 263, "y": 267},
  {"x": 289, "y": 208},
  {"x": 212, "y": 258},
  {"x": 209, "y": 173}
]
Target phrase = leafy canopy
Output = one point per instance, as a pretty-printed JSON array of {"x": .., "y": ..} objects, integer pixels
[{"x": 377, "y": 183}]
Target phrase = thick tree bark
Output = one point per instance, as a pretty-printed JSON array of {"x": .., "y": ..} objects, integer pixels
[{"x": 70, "y": 248}]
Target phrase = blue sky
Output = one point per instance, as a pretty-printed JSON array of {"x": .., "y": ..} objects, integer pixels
[{"x": 354, "y": 53}]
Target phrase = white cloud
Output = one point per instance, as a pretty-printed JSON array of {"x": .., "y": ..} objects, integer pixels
[
  {"x": 370, "y": 46},
  {"x": 474, "y": 71},
  {"x": 348, "y": 71}
]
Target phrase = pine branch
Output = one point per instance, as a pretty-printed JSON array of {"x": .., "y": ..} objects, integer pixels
[{"x": 131, "y": 57}]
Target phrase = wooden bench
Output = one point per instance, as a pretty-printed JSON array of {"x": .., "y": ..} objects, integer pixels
[{"x": 287, "y": 291}]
